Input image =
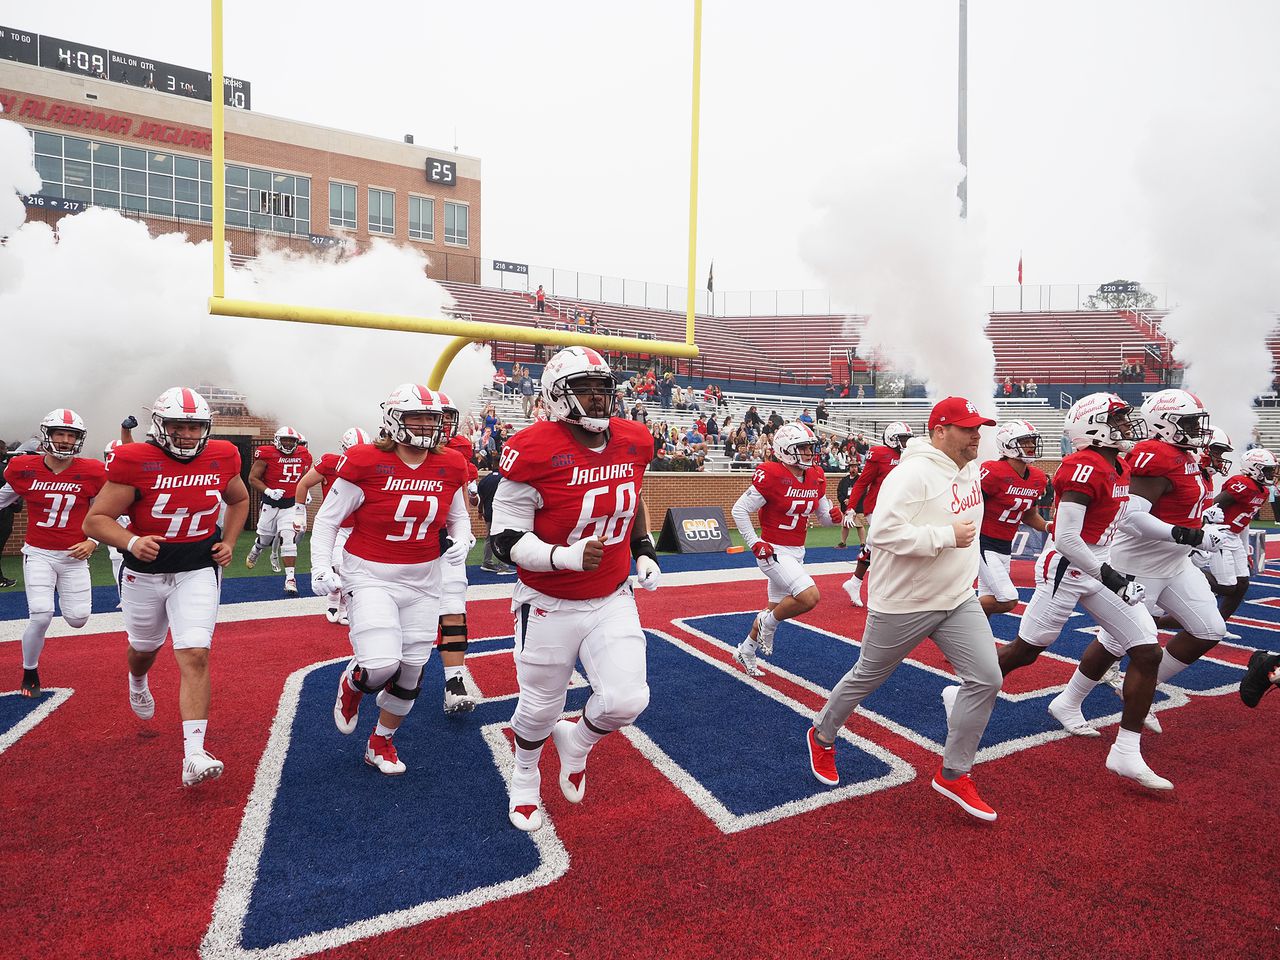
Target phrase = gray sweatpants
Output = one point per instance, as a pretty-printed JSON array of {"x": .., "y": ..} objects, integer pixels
[{"x": 963, "y": 634}]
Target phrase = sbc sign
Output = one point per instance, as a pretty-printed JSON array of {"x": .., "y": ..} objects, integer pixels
[{"x": 694, "y": 530}]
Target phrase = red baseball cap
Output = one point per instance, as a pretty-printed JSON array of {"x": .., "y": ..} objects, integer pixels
[{"x": 957, "y": 412}]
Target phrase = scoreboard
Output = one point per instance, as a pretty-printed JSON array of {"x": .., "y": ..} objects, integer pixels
[{"x": 71, "y": 57}]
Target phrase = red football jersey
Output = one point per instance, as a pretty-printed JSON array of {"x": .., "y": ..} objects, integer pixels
[
  {"x": 1247, "y": 496},
  {"x": 462, "y": 446},
  {"x": 56, "y": 502},
  {"x": 867, "y": 489},
  {"x": 327, "y": 467},
  {"x": 1184, "y": 502},
  {"x": 1088, "y": 472},
  {"x": 584, "y": 494},
  {"x": 1008, "y": 497},
  {"x": 177, "y": 499},
  {"x": 283, "y": 472},
  {"x": 405, "y": 508},
  {"x": 784, "y": 518}
]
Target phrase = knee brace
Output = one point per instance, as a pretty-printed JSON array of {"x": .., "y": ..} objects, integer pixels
[
  {"x": 398, "y": 695},
  {"x": 617, "y": 708},
  {"x": 371, "y": 677},
  {"x": 288, "y": 543},
  {"x": 263, "y": 543},
  {"x": 453, "y": 636}
]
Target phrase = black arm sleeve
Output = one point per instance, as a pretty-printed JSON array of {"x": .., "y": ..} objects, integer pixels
[{"x": 504, "y": 541}]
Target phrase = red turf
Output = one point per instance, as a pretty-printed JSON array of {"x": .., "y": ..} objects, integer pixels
[{"x": 1079, "y": 865}]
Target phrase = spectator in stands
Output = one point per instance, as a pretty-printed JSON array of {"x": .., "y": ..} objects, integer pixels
[
  {"x": 677, "y": 397},
  {"x": 500, "y": 381},
  {"x": 821, "y": 412},
  {"x": 805, "y": 417},
  {"x": 664, "y": 390},
  {"x": 726, "y": 425},
  {"x": 540, "y": 300},
  {"x": 861, "y": 445},
  {"x": 696, "y": 440},
  {"x": 862, "y": 392},
  {"x": 1031, "y": 387},
  {"x": 638, "y": 413},
  {"x": 629, "y": 387},
  {"x": 526, "y": 391},
  {"x": 709, "y": 395},
  {"x": 490, "y": 418},
  {"x": 775, "y": 421},
  {"x": 829, "y": 389},
  {"x": 752, "y": 419},
  {"x": 1007, "y": 388},
  {"x": 539, "y": 410}
]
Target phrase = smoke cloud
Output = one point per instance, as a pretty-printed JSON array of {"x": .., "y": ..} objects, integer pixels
[{"x": 102, "y": 317}]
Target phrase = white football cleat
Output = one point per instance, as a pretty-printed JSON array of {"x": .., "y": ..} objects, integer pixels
[
  {"x": 290, "y": 587},
  {"x": 764, "y": 636},
  {"x": 1152, "y": 723},
  {"x": 346, "y": 708},
  {"x": 853, "y": 587},
  {"x": 251, "y": 559},
  {"x": 457, "y": 698},
  {"x": 1231, "y": 636},
  {"x": 1132, "y": 765},
  {"x": 380, "y": 753},
  {"x": 1114, "y": 679},
  {"x": 524, "y": 804},
  {"x": 1072, "y": 720},
  {"x": 200, "y": 767},
  {"x": 573, "y": 783},
  {"x": 331, "y": 614},
  {"x": 343, "y": 617},
  {"x": 748, "y": 662},
  {"x": 142, "y": 704},
  {"x": 949, "y": 695}
]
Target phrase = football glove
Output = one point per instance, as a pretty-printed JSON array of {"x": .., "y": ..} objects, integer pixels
[
  {"x": 1126, "y": 589},
  {"x": 299, "y": 518},
  {"x": 325, "y": 581},
  {"x": 850, "y": 520},
  {"x": 647, "y": 573},
  {"x": 763, "y": 550},
  {"x": 1214, "y": 515},
  {"x": 837, "y": 518},
  {"x": 273, "y": 493},
  {"x": 458, "y": 549},
  {"x": 129, "y": 422}
]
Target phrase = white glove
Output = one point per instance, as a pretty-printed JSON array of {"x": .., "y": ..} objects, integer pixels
[
  {"x": 1213, "y": 515},
  {"x": 1214, "y": 537},
  {"x": 850, "y": 520},
  {"x": 570, "y": 558},
  {"x": 647, "y": 573},
  {"x": 275, "y": 493},
  {"x": 299, "y": 518},
  {"x": 458, "y": 550},
  {"x": 1133, "y": 594},
  {"x": 325, "y": 581}
]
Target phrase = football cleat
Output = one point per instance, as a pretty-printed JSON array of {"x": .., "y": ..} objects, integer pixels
[
  {"x": 822, "y": 760},
  {"x": 747, "y": 660},
  {"x": 30, "y": 683},
  {"x": 1132, "y": 766},
  {"x": 1262, "y": 674},
  {"x": 200, "y": 767},
  {"x": 1072, "y": 720},
  {"x": 346, "y": 708},
  {"x": 251, "y": 558},
  {"x": 524, "y": 803},
  {"x": 331, "y": 614},
  {"x": 1115, "y": 680},
  {"x": 381, "y": 754},
  {"x": 573, "y": 783},
  {"x": 1231, "y": 636},
  {"x": 964, "y": 792},
  {"x": 275, "y": 560},
  {"x": 290, "y": 587},
  {"x": 853, "y": 587},
  {"x": 457, "y": 699},
  {"x": 142, "y": 704},
  {"x": 344, "y": 618},
  {"x": 764, "y": 635}
]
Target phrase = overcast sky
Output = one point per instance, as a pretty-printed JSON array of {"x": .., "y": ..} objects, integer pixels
[{"x": 579, "y": 112}]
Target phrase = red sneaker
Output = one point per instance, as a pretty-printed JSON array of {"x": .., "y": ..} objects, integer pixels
[
  {"x": 822, "y": 760},
  {"x": 381, "y": 753},
  {"x": 346, "y": 709},
  {"x": 964, "y": 792}
]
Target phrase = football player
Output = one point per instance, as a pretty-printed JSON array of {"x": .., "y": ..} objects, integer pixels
[
  {"x": 1163, "y": 525},
  {"x": 1011, "y": 488},
  {"x": 568, "y": 513},
  {"x": 862, "y": 498},
  {"x": 785, "y": 491},
  {"x": 276, "y": 471},
  {"x": 1242, "y": 496},
  {"x": 402, "y": 493},
  {"x": 453, "y": 600},
  {"x": 323, "y": 472},
  {"x": 57, "y": 486},
  {"x": 1262, "y": 675},
  {"x": 117, "y": 558},
  {"x": 1091, "y": 493},
  {"x": 173, "y": 488}
]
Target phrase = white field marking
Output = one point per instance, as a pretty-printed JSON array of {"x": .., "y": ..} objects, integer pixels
[
  {"x": 1176, "y": 699},
  {"x": 222, "y": 941},
  {"x": 900, "y": 771},
  {"x": 58, "y": 696}
]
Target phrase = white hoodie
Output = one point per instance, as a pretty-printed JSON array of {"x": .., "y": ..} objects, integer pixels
[{"x": 915, "y": 565}]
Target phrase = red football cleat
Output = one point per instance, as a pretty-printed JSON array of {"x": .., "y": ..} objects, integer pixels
[
  {"x": 346, "y": 708},
  {"x": 381, "y": 753}
]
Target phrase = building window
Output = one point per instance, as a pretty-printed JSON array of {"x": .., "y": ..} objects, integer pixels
[
  {"x": 455, "y": 223},
  {"x": 169, "y": 185},
  {"x": 342, "y": 205},
  {"x": 422, "y": 218},
  {"x": 382, "y": 211}
]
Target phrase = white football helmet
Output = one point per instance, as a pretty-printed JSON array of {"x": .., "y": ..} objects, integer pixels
[
  {"x": 287, "y": 440},
  {"x": 1176, "y": 417},
  {"x": 1215, "y": 452},
  {"x": 180, "y": 404},
  {"x": 452, "y": 416},
  {"x": 62, "y": 419},
  {"x": 1103, "y": 420},
  {"x": 413, "y": 398},
  {"x": 1014, "y": 436},
  {"x": 558, "y": 393},
  {"x": 897, "y": 434},
  {"x": 1259, "y": 464},
  {"x": 795, "y": 445},
  {"x": 109, "y": 450},
  {"x": 353, "y": 438}
]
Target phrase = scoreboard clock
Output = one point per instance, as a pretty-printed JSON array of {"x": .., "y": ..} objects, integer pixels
[{"x": 444, "y": 172}]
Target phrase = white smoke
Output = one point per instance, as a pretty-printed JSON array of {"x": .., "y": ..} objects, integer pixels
[
  {"x": 890, "y": 242},
  {"x": 102, "y": 317},
  {"x": 1214, "y": 217},
  {"x": 18, "y": 177}
]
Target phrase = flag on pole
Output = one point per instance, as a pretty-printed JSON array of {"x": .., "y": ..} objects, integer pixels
[
  {"x": 1019, "y": 269},
  {"x": 711, "y": 281}
]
